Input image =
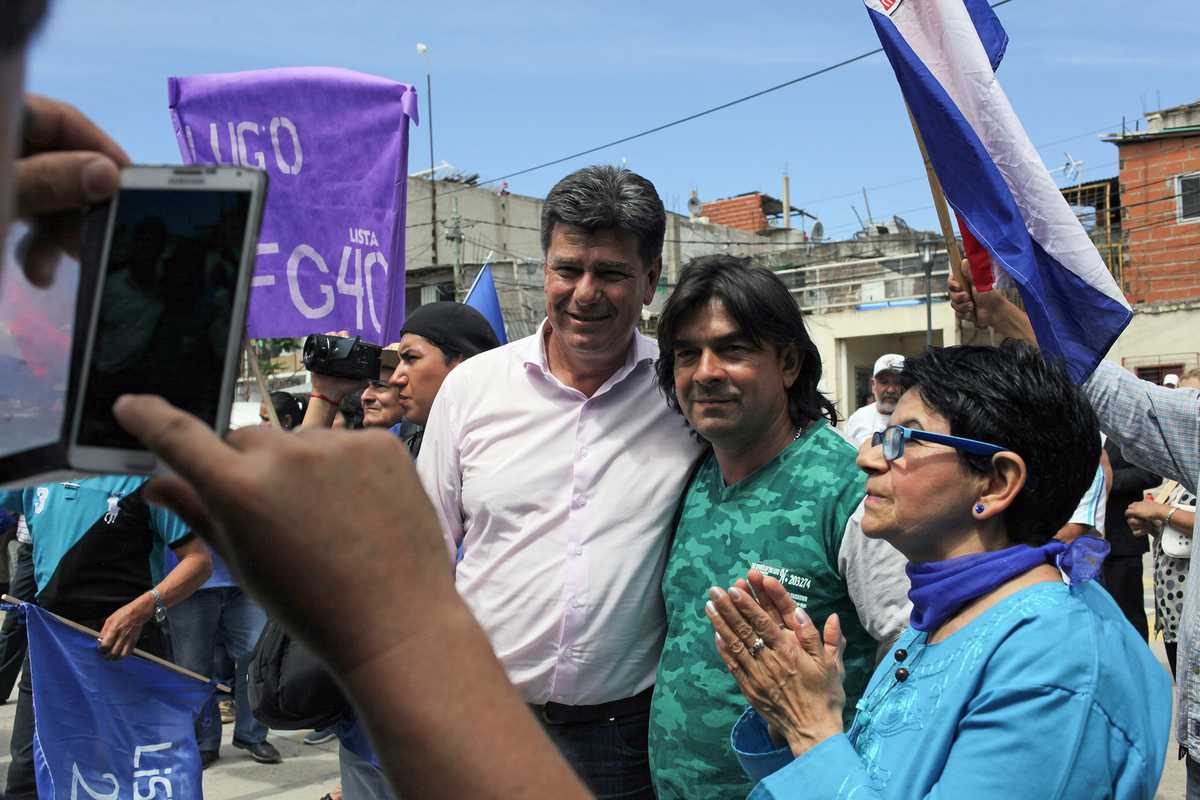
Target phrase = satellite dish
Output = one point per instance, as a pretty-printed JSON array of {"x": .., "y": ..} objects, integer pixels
[
  {"x": 818, "y": 231},
  {"x": 694, "y": 204},
  {"x": 1072, "y": 169}
]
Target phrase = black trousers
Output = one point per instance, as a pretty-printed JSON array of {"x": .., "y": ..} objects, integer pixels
[
  {"x": 22, "y": 781},
  {"x": 12, "y": 632},
  {"x": 1123, "y": 579},
  {"x": 608, "y": 749}
]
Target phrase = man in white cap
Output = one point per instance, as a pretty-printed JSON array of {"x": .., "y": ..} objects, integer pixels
[
  {"x": 887, "y": 387},
  {"x": 1171, "y": 380}
]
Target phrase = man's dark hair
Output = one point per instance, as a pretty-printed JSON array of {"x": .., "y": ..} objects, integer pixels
[
  {"x": 18, "y": 21},
  {"x": 1014, "y": 398},
  {"x": 764, "y": 310},
  {"x": 608, "y": 198},
  {"x": 289, "y": 408},
  {"x": 352, "y": 411}
]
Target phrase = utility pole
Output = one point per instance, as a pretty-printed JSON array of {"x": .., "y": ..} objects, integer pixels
[
  {"x": 454, "y": 234},
  {"x": 423, "y": 50},
  {"x": 433, "y": 173}
]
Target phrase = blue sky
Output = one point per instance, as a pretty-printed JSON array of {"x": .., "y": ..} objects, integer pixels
[{"x": 518, "y": 83}]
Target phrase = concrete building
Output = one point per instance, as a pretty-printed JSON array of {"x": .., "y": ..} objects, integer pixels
[
  {"x": 867, "y": 295},
  {"x": 474, "y": 222},
  {"x": 863, "y": 297}
]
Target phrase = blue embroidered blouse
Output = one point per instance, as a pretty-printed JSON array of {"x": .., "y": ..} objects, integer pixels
[{"x": 1048, "y": 694}]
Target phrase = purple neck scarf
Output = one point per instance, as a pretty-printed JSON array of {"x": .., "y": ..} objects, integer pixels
[{"x": 941, "y": 588}]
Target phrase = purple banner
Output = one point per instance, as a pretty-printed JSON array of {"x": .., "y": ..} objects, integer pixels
[{"x": 335, "y": 143}]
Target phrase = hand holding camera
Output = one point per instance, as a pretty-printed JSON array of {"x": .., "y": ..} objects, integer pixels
[{"x": 340, "y": 365}]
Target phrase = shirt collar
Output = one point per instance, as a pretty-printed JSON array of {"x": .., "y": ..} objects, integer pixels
[{"x": 533, "y": 352}]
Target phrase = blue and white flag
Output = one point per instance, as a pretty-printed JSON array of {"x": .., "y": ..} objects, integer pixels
[
  {"x": 483, "y": 298},
  {"x": 944, "y": 53},
  {"x": 118, "y": 730}
]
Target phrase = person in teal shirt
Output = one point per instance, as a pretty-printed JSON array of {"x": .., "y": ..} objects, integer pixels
[
  {"x": 1010, "y": 683},
  {"x": 778, "y": 491}
]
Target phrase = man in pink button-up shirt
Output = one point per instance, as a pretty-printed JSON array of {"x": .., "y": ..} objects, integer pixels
[{"x": 556, "y": 464}]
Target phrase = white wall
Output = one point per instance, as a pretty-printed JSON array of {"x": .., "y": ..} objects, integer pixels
[{"x": 851, "y": 339}]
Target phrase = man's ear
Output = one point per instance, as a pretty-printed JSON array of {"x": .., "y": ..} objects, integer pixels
[
  {"x": 1003, "y": 485},
  {"x": 791, "y": 361},
  {"x": 652, "y": 285}
]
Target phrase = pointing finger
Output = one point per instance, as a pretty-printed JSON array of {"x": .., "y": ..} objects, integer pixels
[{"x": 182, "y": 441}]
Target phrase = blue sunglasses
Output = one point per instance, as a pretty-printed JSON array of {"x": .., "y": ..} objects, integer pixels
[{"x": 893, "y": 438}]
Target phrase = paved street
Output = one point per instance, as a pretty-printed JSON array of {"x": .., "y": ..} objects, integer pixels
[
  {"x": 1173, "y": 785},
  {"x": 308, "y": 772}
]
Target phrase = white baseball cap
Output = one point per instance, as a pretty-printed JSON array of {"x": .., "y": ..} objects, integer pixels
[
  {"x": 888, "y": 361},
  {"x": 1171, "y": 379}
]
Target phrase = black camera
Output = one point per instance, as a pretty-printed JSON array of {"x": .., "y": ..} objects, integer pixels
[{"x": 341, "y": 357}]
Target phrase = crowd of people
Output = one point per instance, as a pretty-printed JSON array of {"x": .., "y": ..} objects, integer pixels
[{"x": 593, "y": 549}]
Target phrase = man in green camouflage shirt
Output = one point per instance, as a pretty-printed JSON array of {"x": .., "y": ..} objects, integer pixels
[{"x": 778, "y": 492}]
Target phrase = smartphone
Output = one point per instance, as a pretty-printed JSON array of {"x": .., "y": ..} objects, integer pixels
[{"x": 169, "y": 306}]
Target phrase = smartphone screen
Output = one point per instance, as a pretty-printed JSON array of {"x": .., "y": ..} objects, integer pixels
[
  {"x": 166, "y": 305},
  {"x": 35, "y": 349}
]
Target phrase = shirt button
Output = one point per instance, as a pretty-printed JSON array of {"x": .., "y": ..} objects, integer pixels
[
  {"x": 580, "y": 501},
  {"x": 582, "y": 452},
  {"x": 579, "y": 550}
]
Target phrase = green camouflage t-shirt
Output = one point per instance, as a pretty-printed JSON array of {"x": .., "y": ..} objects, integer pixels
[{"x": 787, "y": 519}]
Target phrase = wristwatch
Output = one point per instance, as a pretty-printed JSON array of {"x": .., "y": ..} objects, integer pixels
[{"x": 160, "y": 608}]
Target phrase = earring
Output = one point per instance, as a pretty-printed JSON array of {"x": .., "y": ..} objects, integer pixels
[{"x": 979, "y": 508}]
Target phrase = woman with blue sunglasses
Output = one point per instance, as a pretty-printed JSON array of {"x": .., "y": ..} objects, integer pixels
[{"x": 1010, "y": 682}]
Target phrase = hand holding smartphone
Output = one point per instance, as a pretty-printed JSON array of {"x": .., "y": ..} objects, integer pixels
[{"x": 169, "y": 308}]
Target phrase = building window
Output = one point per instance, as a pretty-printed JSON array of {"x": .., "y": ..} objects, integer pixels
[
  {"x": 1188, "y": 189},
  {"x": 1156, "y": 373}
]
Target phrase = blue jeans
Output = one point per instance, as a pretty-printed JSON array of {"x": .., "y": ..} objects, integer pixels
[
  {"x": 210, "y": 616},
  {"x": 362, "y": 780},
  {"x": 611, "y": 756}
]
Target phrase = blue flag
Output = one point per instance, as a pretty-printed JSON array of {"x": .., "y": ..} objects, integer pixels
[
  {"x": 483, "y": 298},
  {"x": 118, "y": 730},
  {"x": 944, "y": 54}
]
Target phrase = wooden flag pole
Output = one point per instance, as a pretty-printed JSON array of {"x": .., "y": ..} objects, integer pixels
[
  {"x": 939, "y": 203},
  {"x": 162, "y": 662},
  {"x": 252, "y": 356}
]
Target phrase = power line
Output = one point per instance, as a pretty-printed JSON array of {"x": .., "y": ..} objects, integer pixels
[
  {"x": 690, "y": 117},
  {"x": 893, "y": 184}
]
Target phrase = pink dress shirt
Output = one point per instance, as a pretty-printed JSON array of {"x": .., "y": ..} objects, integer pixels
[{"x": 561, "y": 504}]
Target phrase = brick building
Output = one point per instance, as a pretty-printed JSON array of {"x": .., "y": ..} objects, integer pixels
[
  {"x": 1160, "y": 199},
  {"x": 753, "y": 211}
]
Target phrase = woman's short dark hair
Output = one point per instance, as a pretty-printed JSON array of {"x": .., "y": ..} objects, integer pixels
[
  {"x": 764, "y": 310},
  {"x": 1013, "y": 397},
  {"x": 604, "y": 197}
]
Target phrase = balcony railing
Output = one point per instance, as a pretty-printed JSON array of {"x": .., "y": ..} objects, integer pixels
[{"x": 866, "y": 284}]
